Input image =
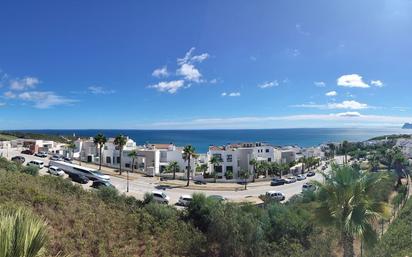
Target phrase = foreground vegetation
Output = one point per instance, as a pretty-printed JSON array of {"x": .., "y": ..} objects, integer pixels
[{"x": 105, "y": 223}]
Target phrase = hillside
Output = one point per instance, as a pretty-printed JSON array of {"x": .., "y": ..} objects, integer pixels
[{"x": 83, "y": 224}]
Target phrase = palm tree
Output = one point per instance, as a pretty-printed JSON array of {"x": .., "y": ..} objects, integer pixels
[
  {"x": 254, "y": 163},
  {"x": 132, "y": 154},
  {"x": 21, "y": 234},
  {"x": 120, "y": 141},
  {"x": 332, "y": 149},
  {"x": 244, "y": 174},
  {"x": 100, "y": 140},
  {"x": 188, "y": 153},
  {"x": 347, "y": 202},
  {"x": 398, "y": 160},
  {"x": 215, "y": 161},
  {"x": 345, "y": 148},
  {"x": 71, "y": 146},
  {"x": 173, "y": 167}
]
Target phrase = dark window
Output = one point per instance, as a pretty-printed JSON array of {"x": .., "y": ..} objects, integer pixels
[
  {"x": 267, "y": 150},
  {"x": 118, "y": 159},
  {"x": 269, "y": 159},
  {"x": 127, "y": 165},
  {"x": 108, "y": 159}
]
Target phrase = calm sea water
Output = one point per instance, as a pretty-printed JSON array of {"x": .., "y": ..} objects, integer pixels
[{"x": 201, "y": 139}]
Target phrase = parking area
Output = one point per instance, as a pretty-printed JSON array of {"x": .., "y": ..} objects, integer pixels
[{"x": 139, "y": 184}]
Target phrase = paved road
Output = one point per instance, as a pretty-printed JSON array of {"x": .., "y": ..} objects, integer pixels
[{"x": 138, "y": 187}]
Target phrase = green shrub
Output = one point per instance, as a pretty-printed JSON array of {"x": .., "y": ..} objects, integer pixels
[{"x": 31, "y": 170}]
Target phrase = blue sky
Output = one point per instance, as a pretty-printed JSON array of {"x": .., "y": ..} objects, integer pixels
[{"x": 205, "y": 64}]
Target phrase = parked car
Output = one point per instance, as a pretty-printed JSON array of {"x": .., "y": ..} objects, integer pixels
[
  {"x": 218, "y": 198},
  {"x": 36, "y": 163},
  {"x": 53, "y": 170},
  {"x": 79, "y": 178},
  {"x": 310, "y": 174},
  {"x": 291, "y": 179},
  {"x": 101, "y": 183},
  {"x": 29, "y": 152},
  {"x": 199, "y": 182},
  {"x": 184, "y": 200},
  {"x": 41, "y": 154},
  {"x": 308, "y": 187},
  {"x": 67, "y": 159},
  {"x": 56, "y": 157},
  {"x": 275, "y": 195},
  {"x": 18, "y": 159},
  {"x": 278, "y": 182},
  {"x": 160, "y": 197},
  {"x": 301, "y": 177}
]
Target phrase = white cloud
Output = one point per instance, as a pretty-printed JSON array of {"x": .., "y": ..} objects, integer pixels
[
  {"x": 2, "y": 104},
  {"x": 352, "y": 80},
  {"x": 230, "y": 94},
  {"x": 295, "y": 52},
  {"x": 351, "y": 105},
  {"x": 354, "y": 118},
  {"x": 160, "y": 72},
  {"x": 188, "y": 58},
  {"x": 331, "y": 93},
  {"x": 44, "y": 99},
  {"x": 213, "y": 81},
  {"x": 377, "y": 83},
  {"x": 319, "y": 83},
  {"x": 300, "y": 30},
  {"x": 24, "y": 83},
  {"x": 349, "y": 114},
  {"x": 168, "y": 86},
  {"x": 269, "y": 84},
  {"x": 9, "y": 94},
  {"x": 189, "y": 72},
  {"x": 100, "y": 90}
]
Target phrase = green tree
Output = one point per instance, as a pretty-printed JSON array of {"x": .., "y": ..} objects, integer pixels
[
  {"x": 132, "y": 154},
  {"x": 332, "y": 149},
  {"x": 21, "y": 234},
  {"x": 254, "y": 163},
  {"x": 215, "y": 161},
  {"x": 120, "y": 141},
  {"x": 347, "y": 202},
  {"x": 173, "y": 166},
  {"x": 189, "y": 152},
  {"x": 244, "y": 174},
  {"x": 71, "y": 146},
  {"x": 345, "y": 149},
  {"x": 398, "y": 164},
  {"x": 99, "y": 140}
]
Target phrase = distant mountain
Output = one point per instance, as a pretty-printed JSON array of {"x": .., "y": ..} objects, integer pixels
[{"x": 407, "y": 126}]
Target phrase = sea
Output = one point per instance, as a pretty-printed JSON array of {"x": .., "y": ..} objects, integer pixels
[{"x": 202, "y": 139}]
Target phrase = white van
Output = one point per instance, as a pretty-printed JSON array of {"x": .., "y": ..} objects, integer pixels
[
  {"x": 275, "y": 195},
  {"x": 36, "y": 163}
]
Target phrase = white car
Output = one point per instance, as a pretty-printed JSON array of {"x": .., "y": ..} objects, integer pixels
[
  {"x": 275, "y": 195},
  {"x": 185, "y": 200},
  {"x": 301, "y": 177},
  {"x": 36, "y": 163},
  {"x": 291, "y": 179},
  {"x": 160, "y": 197},
  {"x": 56, "y": 171}
]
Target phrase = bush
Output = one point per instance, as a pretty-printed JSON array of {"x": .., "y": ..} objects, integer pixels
[
  {"x": 31, "y": 170},
  {"x": 9, "y": 166}
]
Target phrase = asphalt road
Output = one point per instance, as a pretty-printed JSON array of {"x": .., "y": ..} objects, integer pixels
[{"x": 138, "y": 187}]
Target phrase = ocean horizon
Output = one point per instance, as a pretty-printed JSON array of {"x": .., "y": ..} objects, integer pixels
[{"x": 202, "y": 139}]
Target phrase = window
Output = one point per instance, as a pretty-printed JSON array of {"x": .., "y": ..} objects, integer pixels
[
  {"x": 127, "y": 165},
  {"x": 229, "y": 158},
  {"x": 269, "y": 159},
  {"x": 108, "y": 159},
  {"x": 267, "y": 150},
  {"x": 118, "y": 159},
  {"x": 218, "y": 155}
]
